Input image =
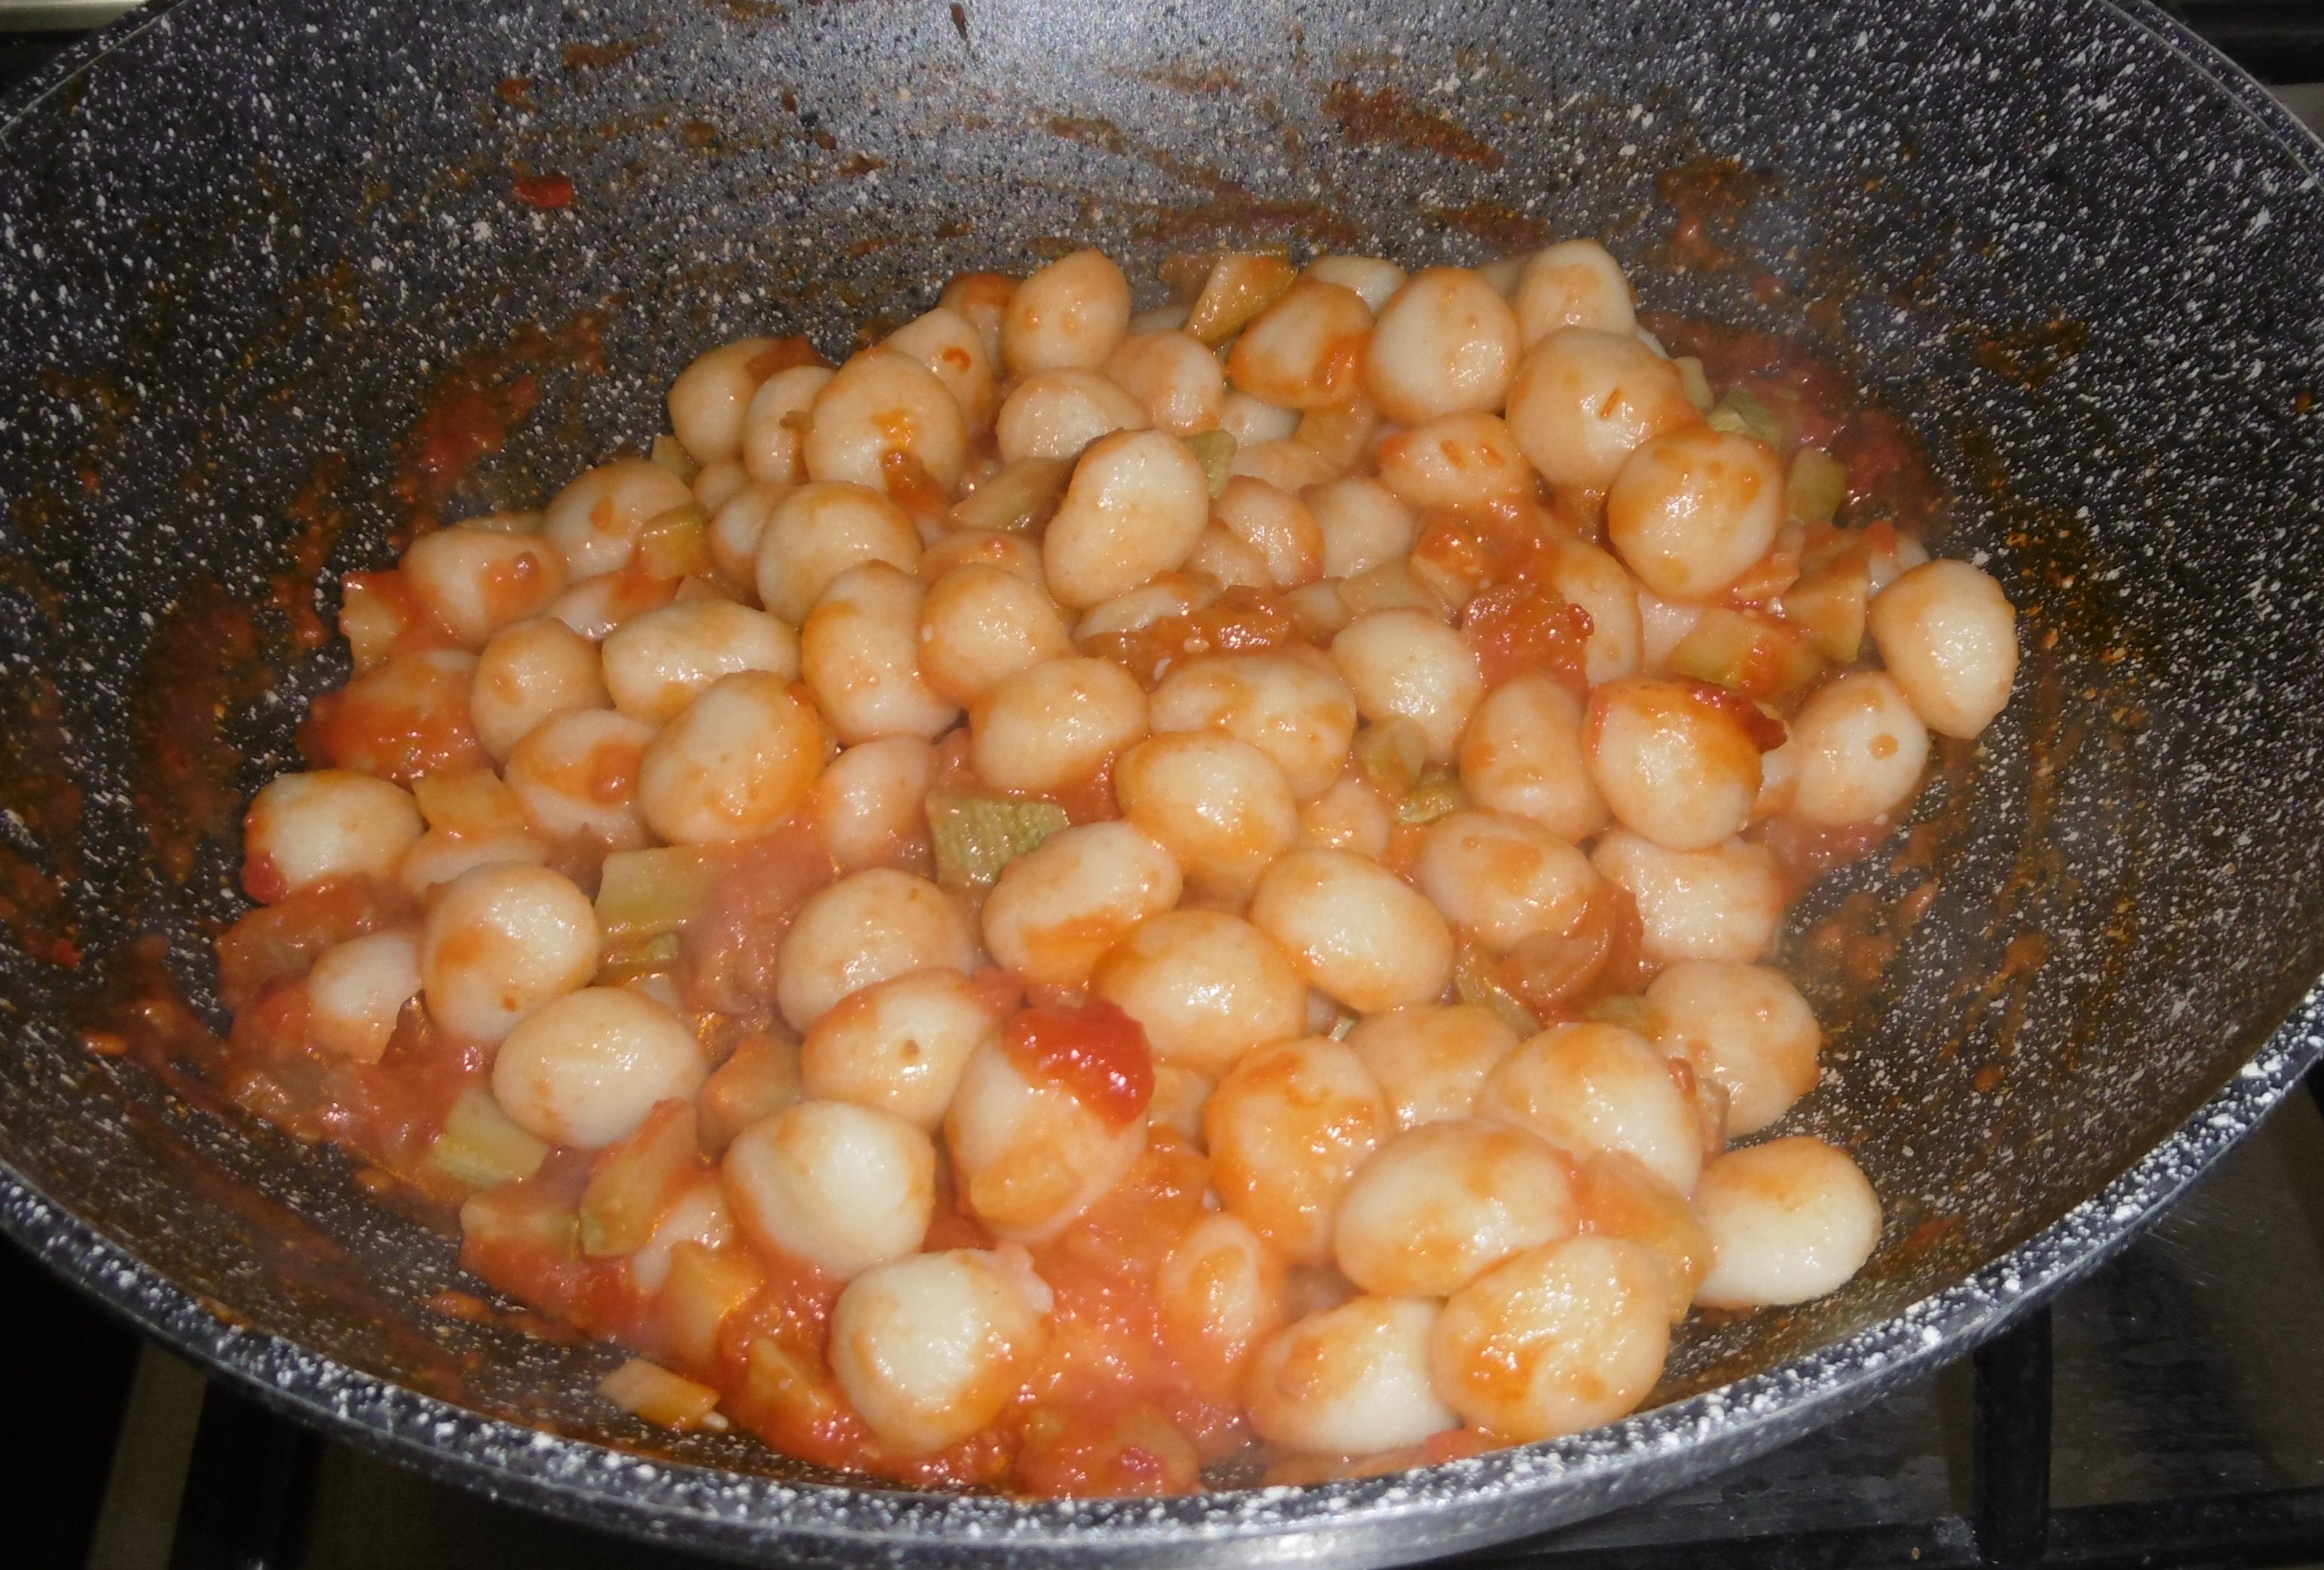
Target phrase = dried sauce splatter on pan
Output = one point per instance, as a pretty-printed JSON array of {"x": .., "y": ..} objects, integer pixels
[
  {"x": 43, "y": 804},
  {"x": 1388, "y": 116},
  {"x": 1503, "y": 227},
  {"x": 466, "y": 414},
  {"x": 205, "y": 663},
  {"x": 2032, "y": 356},
  {"x": 321, "y": 519},
  {"x": 1709, "y": 194},
  {"x": 542, "y": 192}
]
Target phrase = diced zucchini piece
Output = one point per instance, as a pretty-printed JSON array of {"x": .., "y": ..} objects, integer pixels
[
  {"x": 677, "y": 543},
  {"x": 781, "y": 1384},
  {"x": 634, "y": 1178},
  {"x": 1214, "y": 450},
  {"x": 703, "y": 1288},
  {"x": 1829, "y": 604},
  {"x": 1742, "y": 414},
  {"x": 375, "y": 609},
  {"x": 977, "y": 836},
  {"x": 1019, "y": 500},
  {"x": 1240, "y": 286},
  {"x": 626, "y": 962},
  {"x": 642, "y": 894},
  {"x": 1438, "y": 793},
  {"x": 481, "y": 1146},
  {"x": 660, "y": 1395},
  {"x": 1816, "y": 486},
  {"x": 760, "y": 1077},
  {"x": 469, "y": 801},
  {"x": 1391, "y": 755},
  {"x": 671, "y": 454},
  {"x": 1743, "y": 652},
  {"x": 1473, "y": 979}
]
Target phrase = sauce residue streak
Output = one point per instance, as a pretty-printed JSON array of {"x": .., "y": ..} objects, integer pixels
[
  {"x": 542, "y": 192},
  {"x": 1709, "y": 194},
  {"x": 38, "y": 791},
  {"x": 1390, "y": 115},
  {"x": 2032, "y": 355},
  {"x": 466, "y": 414},
  {"x": 204, "y": 663}
]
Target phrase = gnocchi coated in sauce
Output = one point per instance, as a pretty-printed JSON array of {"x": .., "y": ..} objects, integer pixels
[{"x": 1078, "y": 909}]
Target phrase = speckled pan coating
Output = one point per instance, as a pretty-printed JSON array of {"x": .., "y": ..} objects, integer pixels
[{"x": 242, "y": 238}]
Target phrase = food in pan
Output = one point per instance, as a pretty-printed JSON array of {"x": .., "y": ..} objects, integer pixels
[{"x": 1084, "y": 899}]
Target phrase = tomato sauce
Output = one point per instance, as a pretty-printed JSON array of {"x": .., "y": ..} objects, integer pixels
[
  {"x": 1096, "y": 1054},
  {"x": 1240, "y": 621},
  {"x": 730, "y": 946},
  {"x": 1518, "y": 628},
  {"x": 1108, "y": 1371},
  {"x": 405, "y": 720}
]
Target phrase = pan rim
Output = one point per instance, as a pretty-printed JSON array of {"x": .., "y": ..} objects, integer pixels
[{"x": 1547, "y": 1484}]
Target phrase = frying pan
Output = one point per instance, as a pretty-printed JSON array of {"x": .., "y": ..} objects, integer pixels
[{"x": 279, "y": 281}]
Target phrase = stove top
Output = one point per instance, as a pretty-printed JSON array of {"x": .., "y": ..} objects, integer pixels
[{"x": 2169, "y": 1411}]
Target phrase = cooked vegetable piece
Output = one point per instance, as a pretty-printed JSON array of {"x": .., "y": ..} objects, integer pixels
[
  {"x": 1215, "y": 451},
  {"x": 671, "y": 454},
  {"x": 1240, "y": 286},
  {"x": 786, "y": 1387},
  {"x": 481, "y": 1146},
  {"x": 977, "y": 836},
  {"x": 1019, "y": 500},
  {"x": 762, "y": 1076},
  {"x": 1437, "y": 793},
  {"x": 1816, "y": 485},
  {"x": 1742, "y": 414},
  {"x": 677, "y": 543},
  {"x": 632, "y": 1180},
  {"x": 644, "y": 894},
  {"x": 375, "y": 610},
  {"x": 660, "y": 1395},
  {"x": 704, "y": 1289},
  {"x": 1476, "y": 979},
  {"x": 627, "y": 962},
  {"x": 1747, "y": 653},
  {"x": 1829, "y": 602},
  {"x": 1392, "y": 753}
]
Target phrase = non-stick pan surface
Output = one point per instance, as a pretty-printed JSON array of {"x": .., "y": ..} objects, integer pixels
[{"x": 276, "y": 281}]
